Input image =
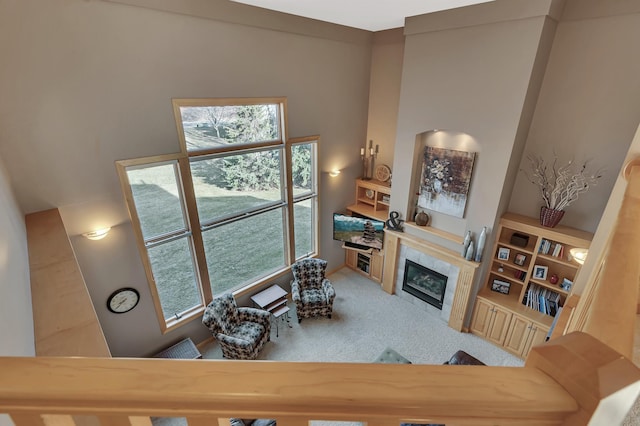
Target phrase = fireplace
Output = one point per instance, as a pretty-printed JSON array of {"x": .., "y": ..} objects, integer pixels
[{"x": 424, "y": 283}]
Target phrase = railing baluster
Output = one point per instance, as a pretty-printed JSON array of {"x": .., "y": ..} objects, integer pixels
[
  {"x": 22, "y": 419},
  {"x": 114, "y": 421}
]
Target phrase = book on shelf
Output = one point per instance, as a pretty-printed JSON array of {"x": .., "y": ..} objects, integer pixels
[
  {"x": 553, "y": 324},
  {"x": 542, "y": 299},
  {"x": 551, "y": 248}
]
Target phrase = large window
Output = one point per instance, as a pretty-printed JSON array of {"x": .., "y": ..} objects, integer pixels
[{"x": 236, "y": 207}]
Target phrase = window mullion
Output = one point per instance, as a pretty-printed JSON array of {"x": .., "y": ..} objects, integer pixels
[
  {"x": 167, "y": 238},
  {"x": 194, "y": 224}
]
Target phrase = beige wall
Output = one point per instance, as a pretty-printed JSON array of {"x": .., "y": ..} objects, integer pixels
[
  {"x": 589, "y": 105},
  {"x": 88, "y": 83},
  {"x": 384, "y": 92},
  {"x": 473, "y": 82},
  {"x": 16, "y": 319}
]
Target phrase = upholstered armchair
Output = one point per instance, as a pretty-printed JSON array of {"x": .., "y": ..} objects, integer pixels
[
  {"x": 241, "y": 332},
  {"x": 312, "y": 293}
]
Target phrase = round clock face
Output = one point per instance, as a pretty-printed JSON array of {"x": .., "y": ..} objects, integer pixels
[
  {"x": 123, "y": 300},
  {"x": 383, "y": 172}
]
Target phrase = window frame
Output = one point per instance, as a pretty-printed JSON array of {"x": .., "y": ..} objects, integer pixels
[{"x": 195, "y": 229}]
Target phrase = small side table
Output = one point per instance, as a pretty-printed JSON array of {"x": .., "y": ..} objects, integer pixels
[
  {"x": 273, "y": 300},
  {"x": 184, "y": 349}
]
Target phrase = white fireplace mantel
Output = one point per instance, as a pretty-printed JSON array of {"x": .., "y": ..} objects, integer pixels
[{"x": 392, "y": 242}]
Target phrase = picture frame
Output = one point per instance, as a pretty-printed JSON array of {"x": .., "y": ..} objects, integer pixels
[
  {"x": 520, "y": 259},
  {"x": 540, "y": 272},
  {"x": 503, "y": 253},
  {"x": 500, "y": 286}
]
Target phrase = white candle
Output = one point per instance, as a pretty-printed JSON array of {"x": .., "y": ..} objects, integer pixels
[{"x": 361, "y": 151}]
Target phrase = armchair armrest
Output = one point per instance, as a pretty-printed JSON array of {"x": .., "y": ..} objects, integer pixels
[
  {"x": 253, "y": 314},
  {"x": 328, "y": 290},
  {"x": 295, "y": 291}
]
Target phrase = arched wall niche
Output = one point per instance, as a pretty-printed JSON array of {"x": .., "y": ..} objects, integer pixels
[{"x": 446, "y": 139}]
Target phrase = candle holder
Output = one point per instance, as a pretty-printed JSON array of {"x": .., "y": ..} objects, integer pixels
[{"x": 368, "y": 161}]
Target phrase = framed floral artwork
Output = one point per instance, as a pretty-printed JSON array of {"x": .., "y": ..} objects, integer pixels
[{"x": 445, "y": 179}]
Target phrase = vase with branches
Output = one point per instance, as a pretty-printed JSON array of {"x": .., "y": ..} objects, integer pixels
[{"x": 559, "y": 185}]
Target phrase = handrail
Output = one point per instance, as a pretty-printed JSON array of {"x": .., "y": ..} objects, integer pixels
[
  {"x": 385, "y": 393},
  {"x": 616, "y": 294}
]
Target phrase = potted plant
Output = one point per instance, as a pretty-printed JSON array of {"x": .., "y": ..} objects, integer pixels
[{"x": 559, "y": 185}]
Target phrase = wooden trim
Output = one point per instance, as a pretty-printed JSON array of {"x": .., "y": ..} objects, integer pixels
[
  {"x": 137, "y": 230},
  {"x": 442, "y": 393},
  {"x": 65, "y": 322},
  {"x": 616, "y": 295},
  {"x": 197, "y": 242},
  {"x": 458, "y": 239},
  {"x": 464, "y": 286},
  {"x": 603, "y": 382},
  {"x": 205, "y": 102},
  {"x": 570, "y": 236},
  {"x": 461, "y": 299},
  {"x": 133, "y": 162},
  {"x": 434, "y": 250},
  {"x": 315, "y": 222}
]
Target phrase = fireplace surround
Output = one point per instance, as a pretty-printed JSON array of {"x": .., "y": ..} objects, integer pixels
[{"x": 461, "y": 274}]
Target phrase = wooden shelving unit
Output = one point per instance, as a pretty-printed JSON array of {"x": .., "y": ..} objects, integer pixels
[
  {"x": 521, "y": 319},
  {"x": 372, "y": 199}
]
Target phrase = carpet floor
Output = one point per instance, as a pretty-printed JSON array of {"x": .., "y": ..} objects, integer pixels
[{"x": 365, "y": 322}]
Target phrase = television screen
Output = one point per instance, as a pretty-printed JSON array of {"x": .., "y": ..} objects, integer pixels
[{"x": 359, "y": 232}]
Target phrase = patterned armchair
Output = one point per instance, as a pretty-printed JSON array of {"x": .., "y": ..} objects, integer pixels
[
  {"x": 312, "y": 293},
  {"x": 242, "y": 332}
]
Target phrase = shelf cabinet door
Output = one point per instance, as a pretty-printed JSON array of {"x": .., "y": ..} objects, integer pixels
[
  {"x": 518, "y": 335},
  {"x": 377, "y": 262},
  {"x": 537, "y": 335},
  {"x": 351, "y": 258},
  {"x": 523, "y": 335},
  {"x": 499, "y": 325},
  {"x": 481, "y": 319}
]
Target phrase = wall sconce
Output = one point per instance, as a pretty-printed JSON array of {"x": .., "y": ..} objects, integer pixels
[
  {"x": 334, "y": 172},
  {"x": 98, "y": 234},
  {"x": 579, "y": 254}
]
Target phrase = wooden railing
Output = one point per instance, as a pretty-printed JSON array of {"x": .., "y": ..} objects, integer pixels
[{"x": 577, "y": 379}]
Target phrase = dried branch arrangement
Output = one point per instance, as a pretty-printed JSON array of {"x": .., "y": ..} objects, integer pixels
[{"x": 560, "y": 185}]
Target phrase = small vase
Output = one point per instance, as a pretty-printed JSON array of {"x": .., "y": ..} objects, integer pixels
[
  {"x": 465, "y": 243},
  {"x": 550, "y": 217},
  {"x": 470, "y": 250},
  {"x": 422, "y": 219},
  {"x": 481, "y": 240}
]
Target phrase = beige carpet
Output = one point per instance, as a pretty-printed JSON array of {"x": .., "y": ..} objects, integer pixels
[{"x": 366, "y": 320}]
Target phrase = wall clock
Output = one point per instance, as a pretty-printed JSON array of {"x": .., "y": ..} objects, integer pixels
[{"x": 123, "y": 300}]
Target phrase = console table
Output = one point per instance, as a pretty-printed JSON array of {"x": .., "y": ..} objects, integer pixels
[{"x": 273, "y": 300}]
